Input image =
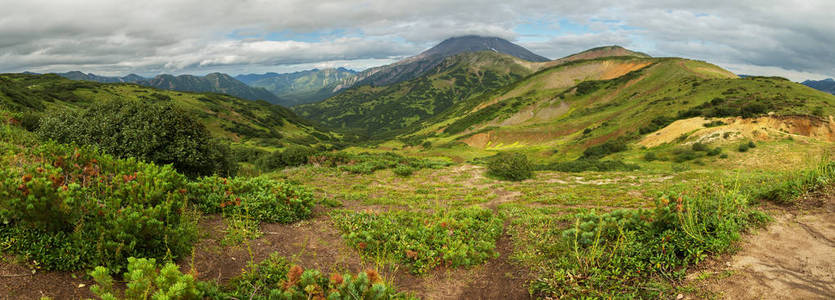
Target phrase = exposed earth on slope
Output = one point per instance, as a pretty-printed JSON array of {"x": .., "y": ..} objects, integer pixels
[{"x": 736, "y": 128}]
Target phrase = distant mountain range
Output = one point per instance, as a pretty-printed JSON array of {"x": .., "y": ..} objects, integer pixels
[
  {"x": 826, "y": 85},
  {"x": 300, "y": 87},
  {"x": 211, "y": 83}
]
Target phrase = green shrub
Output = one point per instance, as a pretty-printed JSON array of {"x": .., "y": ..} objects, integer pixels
[
  {"x": 262, "y": 198},
  {"x": 624, "y": 252},
  {"x": 700, "y": 147},
  {"x": 723, "y": 156},
  {"x": 714, "y": 124},
  {"x": 146, "y": 281},
  {"x": 609, "y": 147},
  {"x": 583, "y": 165},
  {"x": 461, "y": 237},
  {"x": 650, "y": 156},
  {"x": 275, "y": 278},
  {"x": 683, "y": 155},
  {"x": 295, "y": 156},
  {"x": 368, "y": 163},
  {"x": 404, "y": 170},
  {"x": 716, "y": 151},
  {"x": 510, "y": 166},
  {"x": 751, "y": 144},
  {"x": 152, "y": 132},
  {"x": 743, "y": 147},
  {"x": 72, "y": 208}
]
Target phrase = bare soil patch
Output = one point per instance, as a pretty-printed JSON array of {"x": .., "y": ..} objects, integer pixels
[
  {"x": 792, "y": 258},
  {"x": 18, "y": 282}
]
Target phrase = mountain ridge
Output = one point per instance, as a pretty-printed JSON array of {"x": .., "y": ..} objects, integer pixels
[
  {"x": 302, "y": 86},
  {"x": 210, "y": 83},
  {"x": 825, "y": 85}
]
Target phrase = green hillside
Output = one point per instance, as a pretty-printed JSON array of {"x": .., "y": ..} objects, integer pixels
[
  {"x": 382, "y": 111},
  {"x": 579, "y": 104},
  {"x": 254, "y": 123}
]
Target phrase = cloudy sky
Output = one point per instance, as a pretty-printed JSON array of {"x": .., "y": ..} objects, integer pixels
[{"x": 788, "y": 38}]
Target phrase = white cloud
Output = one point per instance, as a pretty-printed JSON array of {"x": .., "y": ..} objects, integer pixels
[{"x": 191, "y": 36}]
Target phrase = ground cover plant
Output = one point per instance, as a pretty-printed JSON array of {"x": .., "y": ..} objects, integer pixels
[
  {"x": 367, "y": 163},
  {"x": 261, "y": 198},
  {"x": 423, "y": 241},
  {"x": 276, "y": 278}
]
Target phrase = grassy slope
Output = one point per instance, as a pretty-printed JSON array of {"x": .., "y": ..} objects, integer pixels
[
  {"x": 255, "y": 123},
  {"x": 378, "y": 111},
  {"x": 613, "y": 108}
]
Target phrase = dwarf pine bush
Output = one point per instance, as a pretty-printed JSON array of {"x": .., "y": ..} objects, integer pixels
[
  {"x": 70, "y": 208},
  {"x": 510, "y": 166}
]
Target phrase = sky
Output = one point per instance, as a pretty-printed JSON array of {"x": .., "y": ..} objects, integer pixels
[{"x": 793, "y": 39}]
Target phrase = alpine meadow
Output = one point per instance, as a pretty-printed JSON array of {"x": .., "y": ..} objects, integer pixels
[{"x": 400, "y": 150}]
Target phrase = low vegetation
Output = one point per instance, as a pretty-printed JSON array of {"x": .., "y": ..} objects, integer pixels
[{"x": 458, "y": 238}]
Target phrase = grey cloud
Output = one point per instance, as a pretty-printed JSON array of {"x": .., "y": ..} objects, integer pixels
[{"x": 193, "y": 36}]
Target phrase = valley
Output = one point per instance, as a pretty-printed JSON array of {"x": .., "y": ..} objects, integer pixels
[{"x": 474, "y": 170}]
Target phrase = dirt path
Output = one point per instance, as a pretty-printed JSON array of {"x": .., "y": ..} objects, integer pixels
[{"x": 793, "y": 258}]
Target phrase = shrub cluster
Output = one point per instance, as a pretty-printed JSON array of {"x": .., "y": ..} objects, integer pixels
[
  {"x": 622, "y": 252},
  {"x": 293, "y": 156},
  {"x": 276, "y": 278},
  {"x": 71, "y": 208},
  {"x": 261, "y": 198},
  {"x": 582, "y": 165},
  {"x": 146, "y": 280},
  {"x": 745, "y": 146},
  {"x": 462, "y": 237},
  {"x": 368, "y": 163},
  {"x": 152, "y": 132},
  {"x": 510, "y": 166},
  {"x": 609, "y": 147}
]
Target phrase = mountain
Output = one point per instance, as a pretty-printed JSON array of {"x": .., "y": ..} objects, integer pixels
[
  {"x": 416, "y": 66},
  {"x": 211, "y": 83},
  {"x": 826, "y": 85},
  {"x": 77, "y": 75},
  {"x": 581, "y": 103},
  {"x": 605, "y": 51},
  {"x": 300, "y": 87},
  {"x": 462, "y": 79},
  {"x": 252, "y": 123},
  {"x": 380, "y": 111}
]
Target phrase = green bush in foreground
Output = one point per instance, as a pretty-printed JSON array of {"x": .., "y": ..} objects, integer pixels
[
  {"x": 462, "y": 237},
  {"x": 152, "y": 132},
  {"x": 72, "y": 208},
  {"x": 510, "y": 166},
  {"x": 276, "y": 278},
  {"x": 262, "y": 198},
  {"x": 146, "y": 281},
  {"x": 623, "y": 253}
]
